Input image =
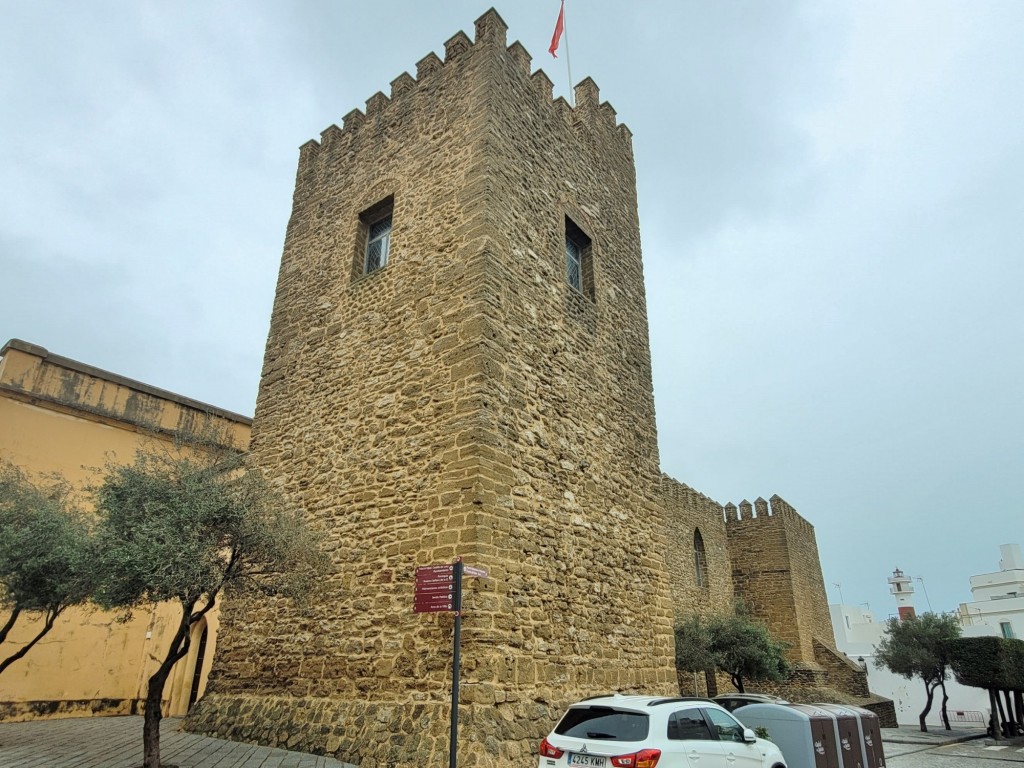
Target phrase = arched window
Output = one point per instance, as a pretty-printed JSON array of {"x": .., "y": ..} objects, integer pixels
[{"x": 700, "y": 560}]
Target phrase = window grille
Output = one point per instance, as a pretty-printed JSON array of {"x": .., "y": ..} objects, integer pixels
[
  {"x": 378, "y": 243},
  {"x": 573, "y": 264},
  {"x": 579, "y": 259}
]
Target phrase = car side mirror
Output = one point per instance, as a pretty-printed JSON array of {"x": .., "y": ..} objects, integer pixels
[{"x": 749, "y": 737}]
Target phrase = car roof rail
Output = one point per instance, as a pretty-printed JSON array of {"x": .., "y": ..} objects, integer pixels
[
  {"x": 598, "y": 696},
  {"x": 671, "y": 699}
]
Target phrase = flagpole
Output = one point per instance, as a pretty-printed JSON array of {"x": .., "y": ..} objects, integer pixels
[{"x": 568, "y": 61}]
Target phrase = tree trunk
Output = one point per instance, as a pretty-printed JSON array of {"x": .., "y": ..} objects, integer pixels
[
  {"x": 1011, "y": 720},
  {"x": 15, "y": 612},
  {"x": 737, "y": 681},
  {"x": 47, "y": 626},
  {"x": 153, "y": 715},
  {"x": 155, "y": 689},
  {"x": 930, "y": 691},
  {"x": 993, "y": 718},
  {"x": 1002, "y": 716},
  {"x": 945, "y": 712}
]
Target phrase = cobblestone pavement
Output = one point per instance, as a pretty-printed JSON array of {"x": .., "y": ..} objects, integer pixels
[
  {"x": 909, "y": 748},
  {"x": 971, "y": 754},
  {"x": 116, "y": 742}
]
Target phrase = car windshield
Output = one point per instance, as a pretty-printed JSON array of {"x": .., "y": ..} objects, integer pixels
[{"x": 603, "y": 723}]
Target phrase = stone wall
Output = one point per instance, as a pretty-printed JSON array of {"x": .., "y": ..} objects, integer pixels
[
  {"x": 687, "y": 512},
  {"x": 777, "y": 574},
  {"x": 463, "y": 400},
  {"x": 841, "y": 672}
]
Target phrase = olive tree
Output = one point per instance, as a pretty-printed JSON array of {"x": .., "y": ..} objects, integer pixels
[
  {"x": 184, "y": 527},
  {"x": 919, "y": 647},
  {"x": 44, "y": 554},
  {"x": 735, "y": 644}
]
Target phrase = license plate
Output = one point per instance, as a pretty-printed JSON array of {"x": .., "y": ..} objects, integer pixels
[{"x": 591, "y": 760}]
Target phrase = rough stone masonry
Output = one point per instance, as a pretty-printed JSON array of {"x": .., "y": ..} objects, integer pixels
[{"x": 454, "y": 392}]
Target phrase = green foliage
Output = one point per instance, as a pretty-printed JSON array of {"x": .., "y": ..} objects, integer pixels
[
  {"x": 762, "y": 733},
  {"x": 736, "y": 644},
  {"x": 184, "y": 525},
  {"x": 45, "y": 563},
  {"x": 43, "y": 544},
  {"x": 919, "y": 647},
  {"x": 693, "y": 646},
  {"x": 174, "y": 526},
  {"x": 994, "y": 663}
]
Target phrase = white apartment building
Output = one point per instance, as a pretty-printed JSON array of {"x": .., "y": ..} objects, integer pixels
[
  {"x": 998, "y": 598},
  {"x": 997, "y": 609}
]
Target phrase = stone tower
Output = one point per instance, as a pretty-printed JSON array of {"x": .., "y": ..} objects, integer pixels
[{"x": 458, "y": 365}]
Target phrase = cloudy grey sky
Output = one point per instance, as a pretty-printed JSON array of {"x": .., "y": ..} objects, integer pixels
[{"x": 831, "y": 201}]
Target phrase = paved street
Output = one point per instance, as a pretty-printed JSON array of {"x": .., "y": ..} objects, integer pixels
[
  {"x": 909, "y": 748},
  {"x": 116, "y": 742}
]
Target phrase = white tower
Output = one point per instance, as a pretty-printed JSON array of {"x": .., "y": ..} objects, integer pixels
[{"x": 902, "y": 587}]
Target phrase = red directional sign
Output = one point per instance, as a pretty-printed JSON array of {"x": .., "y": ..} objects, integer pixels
[{"x": 435, "y": 589}]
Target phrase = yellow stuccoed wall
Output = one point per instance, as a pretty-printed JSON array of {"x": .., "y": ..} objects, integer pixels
[{"x": 59, "y": 415}]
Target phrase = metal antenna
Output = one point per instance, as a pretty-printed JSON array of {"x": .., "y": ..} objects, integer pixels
[{"x": 927, "y": 599}]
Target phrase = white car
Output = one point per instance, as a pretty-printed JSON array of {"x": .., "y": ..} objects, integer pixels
[{"x": 648, "y": 731}]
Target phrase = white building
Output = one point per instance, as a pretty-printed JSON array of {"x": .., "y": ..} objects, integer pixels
[
  {"x": 997, "y": 609},
  {"x": 858, "y": 635},
  {"x": 998, "y": 605}
]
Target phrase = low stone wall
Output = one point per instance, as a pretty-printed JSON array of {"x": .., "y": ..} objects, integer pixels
[
  {"x": 842, "y": 672},
  {"x": 381, "y": 735},
  {"x": 885, "y": 710}
]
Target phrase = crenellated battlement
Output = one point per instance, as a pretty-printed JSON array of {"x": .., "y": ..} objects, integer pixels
[
  {"x": 746, "y": 513},
  {"x": 589, "y": 113}
]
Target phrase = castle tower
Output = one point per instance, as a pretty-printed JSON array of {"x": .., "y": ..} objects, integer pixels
[
  {"x": 776, "y": 572},
  {"x": 458, "y": 365},
  {"x": 902, "y": 588}
]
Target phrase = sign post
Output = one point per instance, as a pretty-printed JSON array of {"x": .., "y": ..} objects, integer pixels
[
  {"x": 439, "y": 589},
  {"x": 453, "y": 738}
]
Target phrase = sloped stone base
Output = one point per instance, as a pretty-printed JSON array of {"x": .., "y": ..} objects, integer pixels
[{"x": 378, "y": 734}]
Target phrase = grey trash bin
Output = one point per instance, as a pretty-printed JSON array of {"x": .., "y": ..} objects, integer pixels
[{"x": 806, "y": 734}]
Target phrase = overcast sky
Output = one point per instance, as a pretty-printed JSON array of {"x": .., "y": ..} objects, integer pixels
[{"x": 831, "y": 204}]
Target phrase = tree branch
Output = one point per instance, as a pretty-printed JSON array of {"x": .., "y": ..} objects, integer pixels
[
  {"x": 206, "y": 608},
  {"x": 51, "y": 616},
  {"x": 15, "y": 613}
]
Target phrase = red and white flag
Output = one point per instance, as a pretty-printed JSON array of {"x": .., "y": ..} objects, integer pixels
[{"x": 559, "y": 27}]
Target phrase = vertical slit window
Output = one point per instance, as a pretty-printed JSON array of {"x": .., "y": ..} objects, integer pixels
[{"x": 700, "y": 560}]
